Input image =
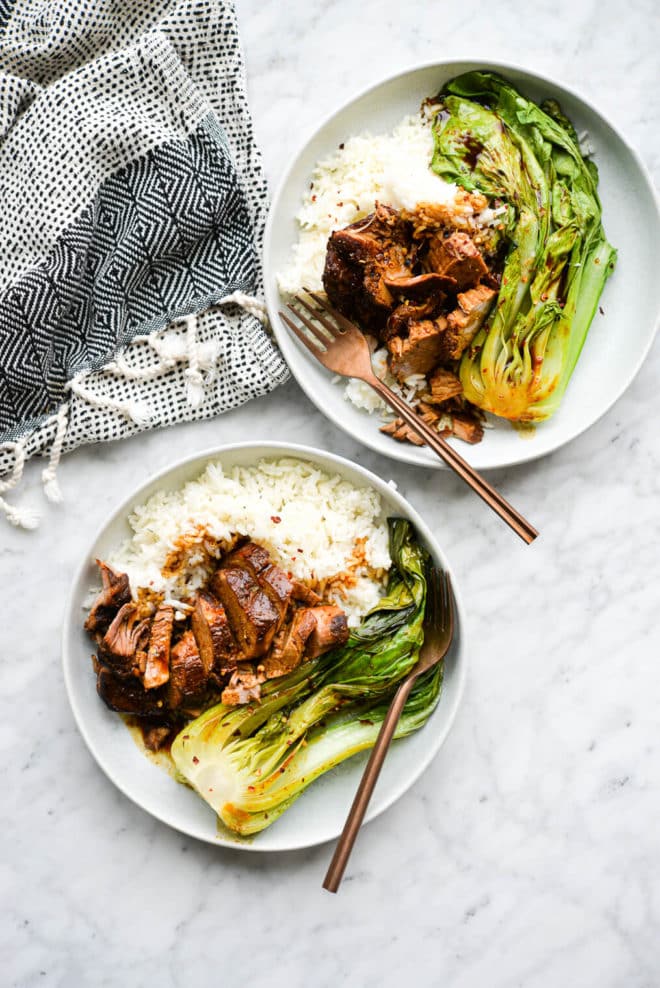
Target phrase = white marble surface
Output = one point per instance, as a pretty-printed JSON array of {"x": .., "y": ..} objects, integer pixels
[{"x": 528, "y": 854}]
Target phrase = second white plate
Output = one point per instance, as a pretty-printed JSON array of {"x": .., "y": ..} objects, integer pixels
[
  {"x": 319, "y": 814},
  {"x": 620, "y": 335}
]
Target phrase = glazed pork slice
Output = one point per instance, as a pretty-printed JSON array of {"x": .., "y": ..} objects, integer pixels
[
  {"x": 289, "y": 645},
  {"x": 305, "y": 594},
  {"x": 331, "y": 630},
  {"x": 361, "y": 257},
  {"x": 430, "y": 284},
  {"x": 420, "y": 351},
  {"x": 127, "y": 696},
  {"x": 157, "y": 668},
  {"x": 250, "y": 554},
  {"x": 188, "y": 678},
  {"x": 122, "y": 648},
  {"x": 253, "y": 617},
  {"x": 466, "y": 320},
  {"x": 217, "y": 648},
  {"x": 401, "y": 431},
  {"x": 400, "y": 318},
  {"x": 278, "y": 586},
  {"x": 463, "y": 425},
  {"x": 443, "y": 385},
  {"x": 456, "y": 256},
  {"x": 467, "y": 427},
  {"x": 114, "y": 594},
  {"x": 270, "y": 577}
]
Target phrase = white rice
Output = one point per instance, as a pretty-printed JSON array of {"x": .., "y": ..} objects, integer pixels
[
  {"x": 318, "y": 513},
  {"x": 391, "y": 168}
]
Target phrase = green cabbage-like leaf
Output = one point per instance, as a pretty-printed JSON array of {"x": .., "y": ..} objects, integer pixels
[{"x": 490, "y": 138}]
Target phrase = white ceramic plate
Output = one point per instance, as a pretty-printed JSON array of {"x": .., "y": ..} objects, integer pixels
[
  {"x": 319, "y": 814},
  {"x": 618, "y": 340}
]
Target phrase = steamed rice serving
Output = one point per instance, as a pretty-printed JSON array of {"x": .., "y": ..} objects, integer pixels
[
  {"x": 317, "y": 526},
  {"x": 391, "y": 168}
]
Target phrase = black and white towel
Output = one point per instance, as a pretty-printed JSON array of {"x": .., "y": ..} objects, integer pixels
[{"x": 133, "y": 206}]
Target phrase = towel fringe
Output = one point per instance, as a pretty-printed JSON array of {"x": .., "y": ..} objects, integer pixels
[
  {"x": 49, "y": 474},
  {"x": 131, "y": 408},
  {"x": 250, "y": 303},
  {"x": 192, "y": 374},
  {"x": 20, "y": 517},
  {"x": 170, "y": 350}
]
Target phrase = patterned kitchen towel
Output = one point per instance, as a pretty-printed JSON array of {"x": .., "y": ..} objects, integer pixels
[{"x": 133, "y": 206}]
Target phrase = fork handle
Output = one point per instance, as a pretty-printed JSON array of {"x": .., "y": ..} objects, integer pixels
[
  {"x": 479, "y": 484},
  {"x": 365, "y": 789}
]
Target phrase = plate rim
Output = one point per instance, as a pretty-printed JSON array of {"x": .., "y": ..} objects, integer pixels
[
  {"x": 121, "y": 510},
  {"x": 400, "y": 451}
]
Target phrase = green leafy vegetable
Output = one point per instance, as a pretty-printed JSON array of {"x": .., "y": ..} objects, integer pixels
[
  {"x": 489, "y": 138},
  {"x": 251, "y": 762}
]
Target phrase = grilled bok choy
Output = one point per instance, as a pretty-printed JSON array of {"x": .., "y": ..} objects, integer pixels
[
  {"x": 489, "y": 138},
  {"x": 250, "y": 763}
]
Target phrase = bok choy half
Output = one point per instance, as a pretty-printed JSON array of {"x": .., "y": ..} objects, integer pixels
[
  {"x": 251, "y": 762},
  {"x": 489, "y": 138}
]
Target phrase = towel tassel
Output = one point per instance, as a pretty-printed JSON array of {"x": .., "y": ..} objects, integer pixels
[
  {"x": 20, "y": 517},
  {"x": 192, "y": 373},
  {"x": 132, "y": 409},
  {"x": 251, "y": 304},
  {"x": 49, "y": 474}
]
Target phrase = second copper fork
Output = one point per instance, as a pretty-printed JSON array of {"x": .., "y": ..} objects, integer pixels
[
  {"x": 340, "y": 346},
  {"x": 438, "y": 636}
]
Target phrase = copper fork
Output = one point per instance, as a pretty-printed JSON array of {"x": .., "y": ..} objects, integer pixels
[
  {"x": 438, "y": 635},
  {"x": 340, "y": 346}
]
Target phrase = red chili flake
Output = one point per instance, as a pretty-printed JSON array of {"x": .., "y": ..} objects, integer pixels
[
  {"x": 186, "y": 737},
  {"x": 275, "y": 519},
  {"x": 299, "y": 550},
  {"x": 367, "y": 723},
  {"x": 313, "y": 198},
  {"x": 195, "y": 760},
  {"x": 250, "y": 788},
  {"x": 340, "y": 204}
]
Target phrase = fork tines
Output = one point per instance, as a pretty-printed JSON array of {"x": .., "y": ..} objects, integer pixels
[
  {"x": 325, "y": 323},
  {"x": 312, "y": 327},
  {"x": 440, "y": 600}
]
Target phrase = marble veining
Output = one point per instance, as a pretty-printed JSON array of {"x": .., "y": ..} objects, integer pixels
[{"x": 527, "y": 854}]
